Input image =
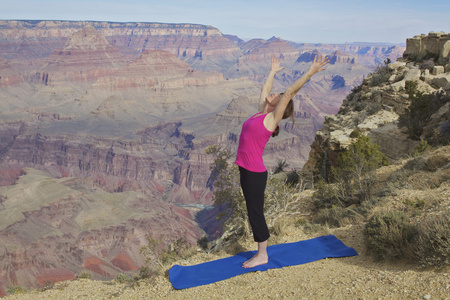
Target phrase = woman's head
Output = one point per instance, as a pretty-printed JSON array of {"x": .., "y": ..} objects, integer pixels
[
  {"x": 272, "y": 101},
  {"x": 288, "y": 113}
]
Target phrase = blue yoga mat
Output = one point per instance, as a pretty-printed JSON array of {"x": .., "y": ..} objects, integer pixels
[{"x": 282, "y": 255}]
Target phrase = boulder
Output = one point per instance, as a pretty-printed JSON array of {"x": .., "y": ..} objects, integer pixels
[
  {"x": 393, "y": 142},
  {"x": 437, "y": 70},
  {"x": 413, "y": 75},
  {"x": 398, "y": 86},
  {"x": 442, "y": 81},
  {"x": 375, "y": 121}
]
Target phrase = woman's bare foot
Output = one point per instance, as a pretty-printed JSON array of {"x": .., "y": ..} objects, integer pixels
[
  {"x": 260, "y": 258},
  {"x": 257, "y": 260}
]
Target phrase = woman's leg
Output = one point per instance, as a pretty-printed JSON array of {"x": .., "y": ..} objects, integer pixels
[{"x": 253, "y": 186}]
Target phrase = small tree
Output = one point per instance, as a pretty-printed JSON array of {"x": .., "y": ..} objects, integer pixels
[
  {"x": 281, "y": 197},
  {"x": 227, "y": 193},
  {"x": 420, "y": 110},
  {"x": 281, "y": 165},
  {"x": 355, "y": 173}
]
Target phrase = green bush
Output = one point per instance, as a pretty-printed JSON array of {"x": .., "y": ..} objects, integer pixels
[
  {"x": 389, "y": 235},
  {"x": 203, "y": 242},
  {"x": 85, "y": 274},
  {"x": 422, "y": 56},
  {"x": 123, "y": 278},
  {"x": 355, "y": 134},
  {"x": 281, "y": 198},
  {"x": 14, "y": 290},
  {"x": 422, "y": 148},
  {"x": 355, "y": 172},
  {"x": 227, "y": 193},
  {"x": 422, "y": 107},
  {"x": 381, "y": 75}
]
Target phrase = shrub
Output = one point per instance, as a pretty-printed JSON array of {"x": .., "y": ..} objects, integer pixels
[
  {"x": 388, "y": 236},
  {"x": 203, "y": 242},
  {"x": 422, "y": 56},
  {"x": 373, "y": 108},
  {"x": 14, "y": 290},
  {"x": 422, "y": 107},
  {"x": 157, "y": 255},
  {"x": 355, "y": 134},
  {"x": 325, "y": 194},
  {"x": 355, "y": 173},
  {"x": 85, "y": 274},
  {"x": 338, "y": 216},
  {"x": 280, "y": 166},
  {"x": 432, "y": 248},
  {"x": 427, "y": 64},
  {"x": 281, "y": 201},
  {"x": 145, "y": 272},
  {"x": 421, "y": 148},
  {"x": 123, "y": 278},
  {"x": 227, "y": 193},
  {"x": 381, "y": 75},
  {"x": 293, "y": 178}
]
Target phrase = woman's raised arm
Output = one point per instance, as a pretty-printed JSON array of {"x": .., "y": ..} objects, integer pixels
[
  {"x": 267, "y": 87},
  {"x": 317, "y": 66}
]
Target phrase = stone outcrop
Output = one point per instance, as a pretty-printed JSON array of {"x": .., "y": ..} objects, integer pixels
[
  {"x": 374, "y": 108},
  {"x": 435, "y": 43},
  {"x": 341, "y": 57}
]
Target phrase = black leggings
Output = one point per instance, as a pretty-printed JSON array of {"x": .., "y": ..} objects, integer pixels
[{"x": 253, "y": 185}]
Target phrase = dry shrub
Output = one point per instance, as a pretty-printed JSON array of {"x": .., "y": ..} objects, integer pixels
[
  {"x": 280, "y": 226},
  {"x": 338, "y": 216},
  {"x": 234, "y": 248},
  {"x": 158, "y": 254},
  {"x": 432, "y": 247},
  {"x": 436, "y": 162},
  {"x": 388, "y": 236}
]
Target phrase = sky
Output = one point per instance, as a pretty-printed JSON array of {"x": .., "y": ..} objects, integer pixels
[{"x": 312, "y": 21}]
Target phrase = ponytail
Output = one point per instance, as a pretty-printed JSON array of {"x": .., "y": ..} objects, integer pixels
[{"x": 276, "y": 132}]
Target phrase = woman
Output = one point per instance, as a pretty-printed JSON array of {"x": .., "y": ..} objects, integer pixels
[{"x": 256, "y": 131}]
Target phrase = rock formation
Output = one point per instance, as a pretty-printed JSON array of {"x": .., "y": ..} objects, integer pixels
[
  {"x": 373, "y": 109},
  {"x": 435, "y": 43}
]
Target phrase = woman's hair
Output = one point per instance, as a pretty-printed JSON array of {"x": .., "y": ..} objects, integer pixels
[{"x": 288, "y": 113}]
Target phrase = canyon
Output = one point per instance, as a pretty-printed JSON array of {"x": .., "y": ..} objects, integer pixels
[{"x": 104, "y": 126}]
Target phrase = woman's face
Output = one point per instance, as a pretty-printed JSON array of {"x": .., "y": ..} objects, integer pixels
[{"x": 273, "y": 99}]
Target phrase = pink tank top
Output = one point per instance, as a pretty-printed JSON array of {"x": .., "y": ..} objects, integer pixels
[{"x": 252, "y": 141}]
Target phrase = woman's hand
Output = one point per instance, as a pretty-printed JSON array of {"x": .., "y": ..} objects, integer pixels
[
  {"x": 275, "y": 67},
  {"x": 318, "y": 65}
]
